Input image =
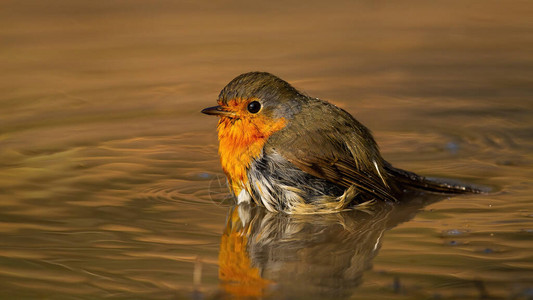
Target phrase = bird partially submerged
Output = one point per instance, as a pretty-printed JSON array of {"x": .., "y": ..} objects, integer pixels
[{"x": 293, "y": 153}]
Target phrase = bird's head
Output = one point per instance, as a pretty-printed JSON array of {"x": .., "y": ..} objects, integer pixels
[{"x": 256, "y": 102}]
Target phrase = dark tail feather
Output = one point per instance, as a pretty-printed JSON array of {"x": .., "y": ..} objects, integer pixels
[{"x": 410, "y": 179}]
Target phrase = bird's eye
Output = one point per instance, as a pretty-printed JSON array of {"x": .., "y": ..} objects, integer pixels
[{"x": 254, "y": 107}]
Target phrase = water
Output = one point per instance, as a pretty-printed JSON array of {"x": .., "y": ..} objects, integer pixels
[{"x": 110, "y": 185}]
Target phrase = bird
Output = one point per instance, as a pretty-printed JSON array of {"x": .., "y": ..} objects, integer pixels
[{"x": 288, "y": 152}]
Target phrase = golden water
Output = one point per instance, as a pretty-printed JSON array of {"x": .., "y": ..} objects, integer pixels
[{"x": 110, "y": 185}]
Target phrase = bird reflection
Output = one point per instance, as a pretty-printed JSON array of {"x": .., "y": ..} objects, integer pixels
[{"x": 264, "y": 254}]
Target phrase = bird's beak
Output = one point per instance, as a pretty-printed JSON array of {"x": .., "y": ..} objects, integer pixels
[{"x": 217, "y": 111}]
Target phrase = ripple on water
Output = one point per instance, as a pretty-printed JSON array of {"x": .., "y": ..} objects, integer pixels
[{"x": 122, "y": 210}]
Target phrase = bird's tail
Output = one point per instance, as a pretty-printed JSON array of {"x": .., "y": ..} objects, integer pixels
[{"x": 410, "y": 179}]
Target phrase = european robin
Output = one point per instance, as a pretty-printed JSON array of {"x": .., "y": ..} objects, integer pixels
[{"x": 293, "y": 153}]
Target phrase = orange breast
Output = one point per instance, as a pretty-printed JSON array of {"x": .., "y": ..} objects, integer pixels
[{"x": 241, "y": 141}]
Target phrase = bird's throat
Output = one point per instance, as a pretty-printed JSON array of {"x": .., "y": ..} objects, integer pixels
[{"x": 241, "y": 142}]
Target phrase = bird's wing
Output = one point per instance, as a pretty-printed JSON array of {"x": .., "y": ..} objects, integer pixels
[
  {"x": 342, "y": 172},
  {"x": 325, "y": 151}
]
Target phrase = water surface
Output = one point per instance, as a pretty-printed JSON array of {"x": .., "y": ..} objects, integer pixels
[{"x": 110, "y": 185}]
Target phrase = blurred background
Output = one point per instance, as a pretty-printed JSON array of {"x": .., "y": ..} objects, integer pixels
[{"x": 110, "y": 185}]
